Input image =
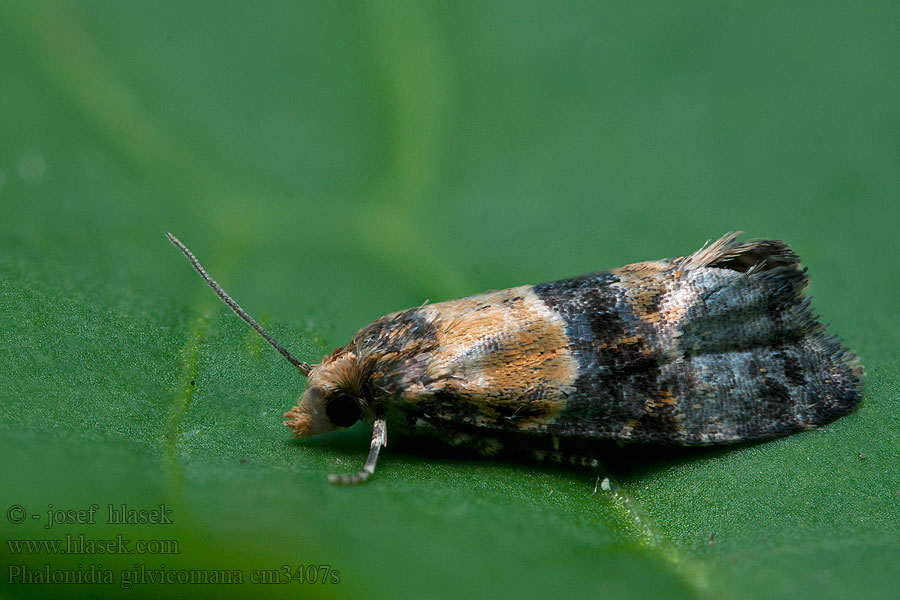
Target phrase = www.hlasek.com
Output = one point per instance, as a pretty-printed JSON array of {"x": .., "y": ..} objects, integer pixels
[
  {"x": 142, "y": 574},
  {"x": 81, "y": 544}
]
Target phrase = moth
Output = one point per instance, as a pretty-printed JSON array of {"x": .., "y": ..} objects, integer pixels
[{"x": 716, "y": 347}]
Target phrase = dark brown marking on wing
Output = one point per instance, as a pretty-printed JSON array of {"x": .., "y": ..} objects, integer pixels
[{"x": 614, "y": 347}]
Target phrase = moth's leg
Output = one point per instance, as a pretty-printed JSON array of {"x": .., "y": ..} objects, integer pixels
[
  {"x": 563, "y": 457},
  {"x": 379, "y": 441},
  {"x": 557, "y": 456},
  {"x": 484, "y": 444}
]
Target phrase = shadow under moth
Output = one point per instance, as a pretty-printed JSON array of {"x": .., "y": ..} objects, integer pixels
[{"x": 715, "y": 347}]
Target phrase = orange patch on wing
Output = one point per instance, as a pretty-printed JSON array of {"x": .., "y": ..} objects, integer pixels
[
  {"x": 504, "y": 352},
  {"x": 644, "y": 283},
  {"x": 667, "y": 397}
]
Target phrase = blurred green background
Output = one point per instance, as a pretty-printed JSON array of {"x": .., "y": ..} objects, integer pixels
[{"x": 332, "y": 162}]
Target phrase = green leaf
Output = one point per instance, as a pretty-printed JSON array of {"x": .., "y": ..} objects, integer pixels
[{"x": 332, "y": 163}]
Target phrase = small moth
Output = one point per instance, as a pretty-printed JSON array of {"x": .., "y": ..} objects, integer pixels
[{"x": 715, "y": 347}]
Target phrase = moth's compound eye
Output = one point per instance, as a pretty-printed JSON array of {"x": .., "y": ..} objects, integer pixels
[{"x": 343, "y": 410}]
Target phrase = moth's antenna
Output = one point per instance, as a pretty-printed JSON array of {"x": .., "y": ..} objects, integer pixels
[
  {"x": 379, "y": 441},
  {"x": 304, "y": 367}
]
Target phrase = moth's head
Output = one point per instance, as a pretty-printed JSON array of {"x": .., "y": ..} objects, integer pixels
[{"x": 334, "y": 397}]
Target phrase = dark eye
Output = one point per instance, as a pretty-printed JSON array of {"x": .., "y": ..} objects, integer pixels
[{"x": 343, "y": 410}]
